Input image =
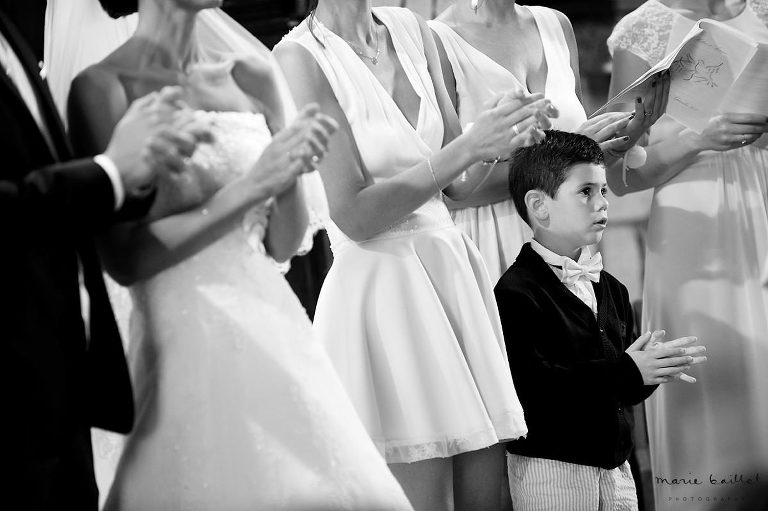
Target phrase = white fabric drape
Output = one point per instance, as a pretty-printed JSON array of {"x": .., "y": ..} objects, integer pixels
[{"x": 78, "y": 33}]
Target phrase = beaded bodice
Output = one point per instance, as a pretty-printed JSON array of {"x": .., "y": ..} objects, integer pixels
[{"x": 239, "y": 140}]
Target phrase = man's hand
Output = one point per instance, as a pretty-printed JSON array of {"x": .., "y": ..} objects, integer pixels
[{"x": 157, "y": 132}]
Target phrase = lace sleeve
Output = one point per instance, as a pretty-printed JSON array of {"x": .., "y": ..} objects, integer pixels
[
  {"x": 760, "y": 8},
  {"x": 256, "y": 220},
  {"x": 644, "y": 32},
  {"x": 317, "y": 207}
]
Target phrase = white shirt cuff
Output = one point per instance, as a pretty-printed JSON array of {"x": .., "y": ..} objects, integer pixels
[{"x": 111, "y": 170}]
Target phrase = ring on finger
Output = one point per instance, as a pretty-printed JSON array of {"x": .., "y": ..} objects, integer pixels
[
  {"x": 744, "y": 139},
  {"x": 516, "y": 129}
]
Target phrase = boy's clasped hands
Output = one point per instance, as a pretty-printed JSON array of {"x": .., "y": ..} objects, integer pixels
[{"x": 662, "y": 362}]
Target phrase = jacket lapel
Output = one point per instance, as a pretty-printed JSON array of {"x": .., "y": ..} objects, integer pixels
[
  {"x": 9, "y": 87},
  {"x": 548, "y": 280},
  {"x": 48, "y": 111}
]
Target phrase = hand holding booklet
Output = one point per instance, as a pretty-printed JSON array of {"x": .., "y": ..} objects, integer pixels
[{"x": 715, "y": 69}]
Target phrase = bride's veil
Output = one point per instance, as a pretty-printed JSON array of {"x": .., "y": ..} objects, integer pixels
[{"x": 78, "y": 33}]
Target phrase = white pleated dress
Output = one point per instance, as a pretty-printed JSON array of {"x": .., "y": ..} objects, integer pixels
[
  {"x": 497, "y": 229},
  {"x": 408, "y": 316}
]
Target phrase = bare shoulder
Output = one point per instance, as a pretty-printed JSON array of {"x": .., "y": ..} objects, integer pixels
[
  {"x": 97, "y": 101},
  {"x": 105, "y": 74},
  {"x": 259, "y": 67},
  {"x": 299, "y": 66},
  {"x": 98, "y": 87},
  {"x": 256, "y": 77},
  {"x": 254, "y": 71},
  {"x": 567, "y": 27},
  {"x": 95, "y": 78}
]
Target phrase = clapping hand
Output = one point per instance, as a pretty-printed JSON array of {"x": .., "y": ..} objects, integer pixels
[
  {"x": 157, "y": 132},
  {"x": 296, "y": 150},
  {"x": 509, "y": 121},
  {"x": 657, "y": 341},
  {"x": 662, "y": 362},
  {"x": 604, "y": 129}
]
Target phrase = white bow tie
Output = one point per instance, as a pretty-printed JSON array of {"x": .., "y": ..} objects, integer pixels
[{"x": 573, "y": 271}]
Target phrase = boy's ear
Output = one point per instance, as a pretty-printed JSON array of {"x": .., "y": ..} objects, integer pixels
[{"x": 537, "y": 206}]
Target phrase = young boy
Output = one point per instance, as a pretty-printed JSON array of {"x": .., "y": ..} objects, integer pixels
[{"x": 568, "y": 331}]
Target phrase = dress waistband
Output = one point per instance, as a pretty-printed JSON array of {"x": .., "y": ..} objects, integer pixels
[{"x": 433, "y": 214}]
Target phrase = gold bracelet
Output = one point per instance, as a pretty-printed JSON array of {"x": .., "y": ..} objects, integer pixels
[{"x": 434, "y": 177}]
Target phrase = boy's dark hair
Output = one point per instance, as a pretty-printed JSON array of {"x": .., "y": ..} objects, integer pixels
[
  {"x": 545, "y": 166},
  {"x": 118, "y": 8}
]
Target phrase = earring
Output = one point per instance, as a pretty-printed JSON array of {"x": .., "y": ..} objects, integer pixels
[{"x": 474, "y": 4}]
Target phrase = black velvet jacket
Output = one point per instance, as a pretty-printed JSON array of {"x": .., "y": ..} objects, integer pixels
[{"x": 573, "y": 378}]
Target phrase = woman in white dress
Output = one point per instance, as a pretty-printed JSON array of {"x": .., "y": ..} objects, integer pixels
[
  {"x": 407, "y": 312},
  {"x": 237, "y": 405},
  {"x": 499, "y": 46},
  {"x": 707, "y": 240}
]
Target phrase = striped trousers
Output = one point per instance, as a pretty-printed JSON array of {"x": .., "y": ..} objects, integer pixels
[{"x": 538, "y": 484}]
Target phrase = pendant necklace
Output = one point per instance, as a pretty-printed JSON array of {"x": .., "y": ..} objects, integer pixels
[{"x": 375, "y": 59}]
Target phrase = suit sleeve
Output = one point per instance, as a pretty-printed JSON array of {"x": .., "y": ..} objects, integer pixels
[
  {"x": 638, "y": 391},
  {"x": 524, "y": 326},
  {"x": 77, "y": 196}
]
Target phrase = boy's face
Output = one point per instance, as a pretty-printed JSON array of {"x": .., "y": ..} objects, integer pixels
[{"x": 578, "y": 213}]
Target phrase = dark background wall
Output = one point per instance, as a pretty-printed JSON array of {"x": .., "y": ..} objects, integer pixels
[
  {"x": 270, "y": 19},
  {"x": 29, "y": 18}
]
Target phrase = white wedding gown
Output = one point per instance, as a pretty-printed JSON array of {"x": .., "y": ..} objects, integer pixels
[{"x": 237, "y": 405}]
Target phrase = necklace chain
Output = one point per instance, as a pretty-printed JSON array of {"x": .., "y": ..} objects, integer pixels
[{"x": 375, "y": 59}]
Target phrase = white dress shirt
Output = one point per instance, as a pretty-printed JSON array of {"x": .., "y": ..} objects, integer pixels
[{"x": 582, "y": 287}]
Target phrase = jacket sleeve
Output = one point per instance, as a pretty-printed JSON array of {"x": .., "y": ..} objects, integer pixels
[
  {"x": 637, "y": 392},
  {"x": 75, "y": 196}
]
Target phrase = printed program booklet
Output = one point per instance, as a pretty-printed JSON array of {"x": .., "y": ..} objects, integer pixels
[{"x": 715, "y": 69}]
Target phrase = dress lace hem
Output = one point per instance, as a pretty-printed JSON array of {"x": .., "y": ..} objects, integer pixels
[{"x": 410, "y": 451}]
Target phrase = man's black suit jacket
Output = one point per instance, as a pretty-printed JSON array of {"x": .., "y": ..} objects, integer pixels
[
  {"x": 572, "y": 375},
  {"x": 57, "y": 381}
]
